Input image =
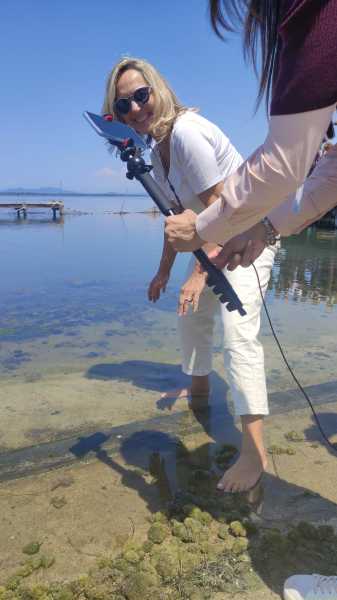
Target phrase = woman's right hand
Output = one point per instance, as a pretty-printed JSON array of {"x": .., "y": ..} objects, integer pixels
[
  {"x": 242, "y": 249},
  {"x": 157, "y": 285}
]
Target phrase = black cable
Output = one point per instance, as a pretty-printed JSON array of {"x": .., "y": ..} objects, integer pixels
[{"x": 332, "y": 446}]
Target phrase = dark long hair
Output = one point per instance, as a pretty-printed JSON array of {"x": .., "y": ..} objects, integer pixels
[{"x": 259, "y": 20}]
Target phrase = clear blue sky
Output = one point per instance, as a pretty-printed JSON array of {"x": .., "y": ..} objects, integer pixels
[{"x": 55, "y": 57}]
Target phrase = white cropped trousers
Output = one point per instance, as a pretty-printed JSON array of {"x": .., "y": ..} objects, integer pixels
[{"x": 243, "y": 352}]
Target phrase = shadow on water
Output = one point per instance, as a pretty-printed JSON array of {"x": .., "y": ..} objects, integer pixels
[
  {"x": 216, "y": 420},
  {"x": 328, "y": 422}
]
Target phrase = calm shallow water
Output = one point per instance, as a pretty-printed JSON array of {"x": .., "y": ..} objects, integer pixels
[
  {"x": 84, "y": 358},
  {"x": 74, "y": 299},
  {"x": 93, "y": 269}
]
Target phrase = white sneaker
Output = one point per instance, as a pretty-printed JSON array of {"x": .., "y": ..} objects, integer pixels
[{"x": 310, "y": 587}]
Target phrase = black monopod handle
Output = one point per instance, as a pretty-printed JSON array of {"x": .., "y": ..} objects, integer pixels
[{"x": 216, "y": 280}]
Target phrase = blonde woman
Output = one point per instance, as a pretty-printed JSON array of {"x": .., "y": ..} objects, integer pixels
[{"x": 191, "y": 157}]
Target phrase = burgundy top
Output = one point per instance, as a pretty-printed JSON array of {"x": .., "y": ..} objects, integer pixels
[{"x": 305, "y": 75}]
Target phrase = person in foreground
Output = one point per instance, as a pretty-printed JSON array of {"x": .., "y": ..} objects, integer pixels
[
  {"x": 191, "y": 157},
  {"x": 298, "y": 44},
  {"x": 310, "y": 587}
]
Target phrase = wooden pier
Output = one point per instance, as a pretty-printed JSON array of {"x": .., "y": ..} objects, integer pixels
[{"x": 21, "y": 208}]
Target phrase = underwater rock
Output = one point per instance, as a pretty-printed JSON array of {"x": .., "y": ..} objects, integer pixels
[
  {"x": 200, "y": 515},
  {"x": 250, "y": 527},
  {"x": 225, "y": 454},
  {"x": 227, "y": 544},
  {"x": 202, "y": 482},
  {"x": 278, "y": 450},
  {"x": 26, "y": 570},
  {"x": 12, "y": 583},
  {"x": 245, "y": 510},
  {"x": 65, "y": 481},
  {"x": 195, "y": 529},
  {"x": 237, "y": 529},
  {"x": 187, "y": 509},
  {"x": 307, "y": 530},
  {"x": 121, "y": 564},
  {"x": 191, "y": 591},
  {"x": 62, "y": 593},
  {"x": 294, "y": 436},
  {"x": 223, "y": 531},
  {"x": 195, "y": 512},
  {"x": 326, "y": 532},
  {"x": 147, "y": 546},
  {"x": 35, "y": 563},
  {"x": 160, "y": 517},
  {"x": 131, "y": 557},
  {"x": 31, "y": 548},
  {"x": 180, "y": 531},
  {"x": 274, "y": 543},
  {"x": 58, "y": 501},
  {"x": 158, "y": 533},
  {"x": 212, "y": 549},
  {"x": 141, "y": 585},
  {"x": 166, "y": 561},
  {"x": 47, "y": 561},
  {"x": 190, "y": 560},
  {"x": 240, "y": 545},
  {"x": 233, "y": 516}
]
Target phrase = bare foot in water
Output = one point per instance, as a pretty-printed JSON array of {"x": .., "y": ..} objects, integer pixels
[
  {"x": 244, "y": 474},
  {"x": 252, "y": 462},
  {"x": 197, "y": 394}
]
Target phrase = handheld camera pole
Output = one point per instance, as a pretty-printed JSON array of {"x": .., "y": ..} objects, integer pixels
[{"x": 123, "y": 137}]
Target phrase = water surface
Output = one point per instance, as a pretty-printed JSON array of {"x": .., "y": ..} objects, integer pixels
[{"x": 75, "y": 317}]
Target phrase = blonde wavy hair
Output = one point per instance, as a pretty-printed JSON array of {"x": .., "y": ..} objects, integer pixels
[{"x": 167, "y": 107}]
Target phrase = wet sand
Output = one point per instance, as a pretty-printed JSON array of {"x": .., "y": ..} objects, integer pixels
[{"x": 104, "y": 498}]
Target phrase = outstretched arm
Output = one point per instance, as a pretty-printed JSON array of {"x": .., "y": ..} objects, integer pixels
[
  {"x": 263, "y": 181},
  {"x": 317, "y": 197}
]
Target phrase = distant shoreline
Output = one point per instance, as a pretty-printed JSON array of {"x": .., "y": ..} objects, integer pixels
[{"x": 67, "y": 194}]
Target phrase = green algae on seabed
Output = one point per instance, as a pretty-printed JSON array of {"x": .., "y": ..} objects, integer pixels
[
  {"x": 294, "y": 436},
  {"x": 278, "y": 450},
  {"x": 31, "y": 548},
  {"x": 191, "y": 554}
]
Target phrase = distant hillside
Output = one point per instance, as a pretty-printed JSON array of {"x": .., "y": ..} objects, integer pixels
[
  {"x": 41, "y": 190},
  {"x": 51, "y": 191}
]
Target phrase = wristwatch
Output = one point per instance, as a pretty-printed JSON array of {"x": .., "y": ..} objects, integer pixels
[{"x": 271, "y": 233}]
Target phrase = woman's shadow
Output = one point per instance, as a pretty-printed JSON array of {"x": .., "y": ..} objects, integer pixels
[
  {"x": 216, "y": 419},
  {"x": 163, "y": 455}
]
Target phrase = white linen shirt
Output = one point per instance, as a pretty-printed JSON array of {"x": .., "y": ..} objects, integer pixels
[{"x": 201, "y": 156}]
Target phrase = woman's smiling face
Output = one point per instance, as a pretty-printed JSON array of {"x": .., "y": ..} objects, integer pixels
[{"x": 140, "y": 115}]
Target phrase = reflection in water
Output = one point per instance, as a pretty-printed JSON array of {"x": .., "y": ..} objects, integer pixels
[
  {"x": 47, "y": 220},
  {"x": 306, "y": 268}
]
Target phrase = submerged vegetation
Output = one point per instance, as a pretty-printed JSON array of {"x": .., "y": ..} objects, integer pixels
[{"x": 200, "y": 546}]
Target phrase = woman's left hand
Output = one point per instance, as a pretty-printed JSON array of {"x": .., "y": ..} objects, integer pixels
[
  {"x": 190, "y": 293},
  {"x": 181, "y": 231}
]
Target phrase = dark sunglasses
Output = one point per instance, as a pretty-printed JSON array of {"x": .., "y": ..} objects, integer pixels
[{"x": 141, "y": 96}]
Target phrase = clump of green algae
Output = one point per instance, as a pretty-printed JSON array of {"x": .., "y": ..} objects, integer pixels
[{"x": 294, "y": 436}]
